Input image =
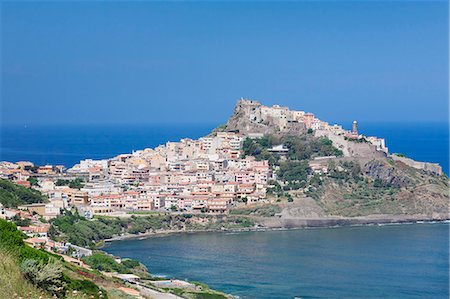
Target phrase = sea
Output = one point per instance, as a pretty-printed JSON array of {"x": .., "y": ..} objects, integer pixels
[
  {"x": 391, "y": 261},
  {"x": 68, "y": 144}
]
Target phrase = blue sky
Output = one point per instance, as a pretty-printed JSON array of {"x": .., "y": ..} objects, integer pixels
[{"x": 184, "y": 62}]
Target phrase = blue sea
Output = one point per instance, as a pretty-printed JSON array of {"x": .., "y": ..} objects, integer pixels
[
  {"x": 393, "y": 261},
  {"x": 67, "y": 145}
]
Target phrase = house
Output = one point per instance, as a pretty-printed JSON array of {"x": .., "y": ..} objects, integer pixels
[
  {"x": 279, "y": 149},
  {"x": 6, "y": 213},
  {"x": 35, "y": 231},
  {"x": 26, "y": 184},
  {"x": 38, "y": 208},
  {"x": 36, "y": 242}
]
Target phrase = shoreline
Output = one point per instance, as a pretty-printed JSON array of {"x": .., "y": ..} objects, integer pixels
[{"x": 284, "y": 224}]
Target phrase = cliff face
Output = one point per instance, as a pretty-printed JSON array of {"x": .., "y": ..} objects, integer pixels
[{"x": 387, "y": 174}]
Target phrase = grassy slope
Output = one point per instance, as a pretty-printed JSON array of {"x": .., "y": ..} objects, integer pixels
[
  {"x": 13, "y": 251},
  {"x": 12, "y": 283}
]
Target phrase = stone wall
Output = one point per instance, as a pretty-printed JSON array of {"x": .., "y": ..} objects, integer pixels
[
  {"x": 429, "y": 167},
  {"x": 351, "y": 148}
]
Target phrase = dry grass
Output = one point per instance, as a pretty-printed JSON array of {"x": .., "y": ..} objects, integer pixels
[{"x": 13, "y": 284}]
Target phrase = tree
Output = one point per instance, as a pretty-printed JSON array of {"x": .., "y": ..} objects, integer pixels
[
  {"x": 104, "y": 262},
  {"x": 293, "y": 171},
  {"x": 21, "y": 222},
  {"x": 33, "y": 181}
]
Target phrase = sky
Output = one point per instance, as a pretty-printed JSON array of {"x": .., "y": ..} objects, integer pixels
[{"x": 145, "y": 62}]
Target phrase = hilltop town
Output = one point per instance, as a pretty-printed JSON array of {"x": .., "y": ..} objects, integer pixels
[{"x": 244, "y": 163}]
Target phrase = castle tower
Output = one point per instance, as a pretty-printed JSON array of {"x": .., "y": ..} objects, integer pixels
[
  {"x": 355, "y": 127},
  {"x": 309, "y": 119}
]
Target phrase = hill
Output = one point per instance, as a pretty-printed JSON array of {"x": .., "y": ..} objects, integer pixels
[{"x": 328, "y": 172}]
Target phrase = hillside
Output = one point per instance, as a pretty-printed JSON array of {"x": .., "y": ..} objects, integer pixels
[
  {"x": 324, "y": 174},
  {"x": 26, "y": 272},
  {"x": 12, "y": 195}
]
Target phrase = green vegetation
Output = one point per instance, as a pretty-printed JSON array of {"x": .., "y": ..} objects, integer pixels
[
  {"x": 300, "y": 148},
  {"x": 78, "y": 230},
  {"x": 12, "y": 281},
  {"x": 33, "y": 273},
  {"x": 259, "y": 149},
  {"x": 21, "y": 222},
  {"x": 38, "y": 270},
  {"x": 75, "y": 184},
  {"x": 204, "y": 293},
  {"x": 105, "y": 262},
  {"x": 346, "y": 191},
  {"x": 307, "y": 147},
  {"x": 293, "y": 171},
  {"x": 218, "y": 223},
  {"x": 365, "y": 197},
  {"x": 346, "y": 171},
  {"x": 12, "y": 195},
  {"x": 48, "y": 277},
  {"x": 263, "y": 211},
  {"x": 33, "y": 181}
]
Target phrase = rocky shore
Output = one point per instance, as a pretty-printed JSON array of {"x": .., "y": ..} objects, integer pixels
[{"x": 283, "y": 223}]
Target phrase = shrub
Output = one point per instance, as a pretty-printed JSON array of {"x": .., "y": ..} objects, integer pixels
[
  {"x": 87, "y": 287},
  {"x": 130, "y": 264},
  {"x": 104, "y": 262},
  {"x": 48, "y": 276}
]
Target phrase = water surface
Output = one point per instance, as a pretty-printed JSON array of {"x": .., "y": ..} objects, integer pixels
[{"x": 395, "y": 261}]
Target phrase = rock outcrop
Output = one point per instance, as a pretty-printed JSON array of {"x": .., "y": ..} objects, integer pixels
[
  {"x": 387, "y": 174},
  {"x": 251, "y": 117}
]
